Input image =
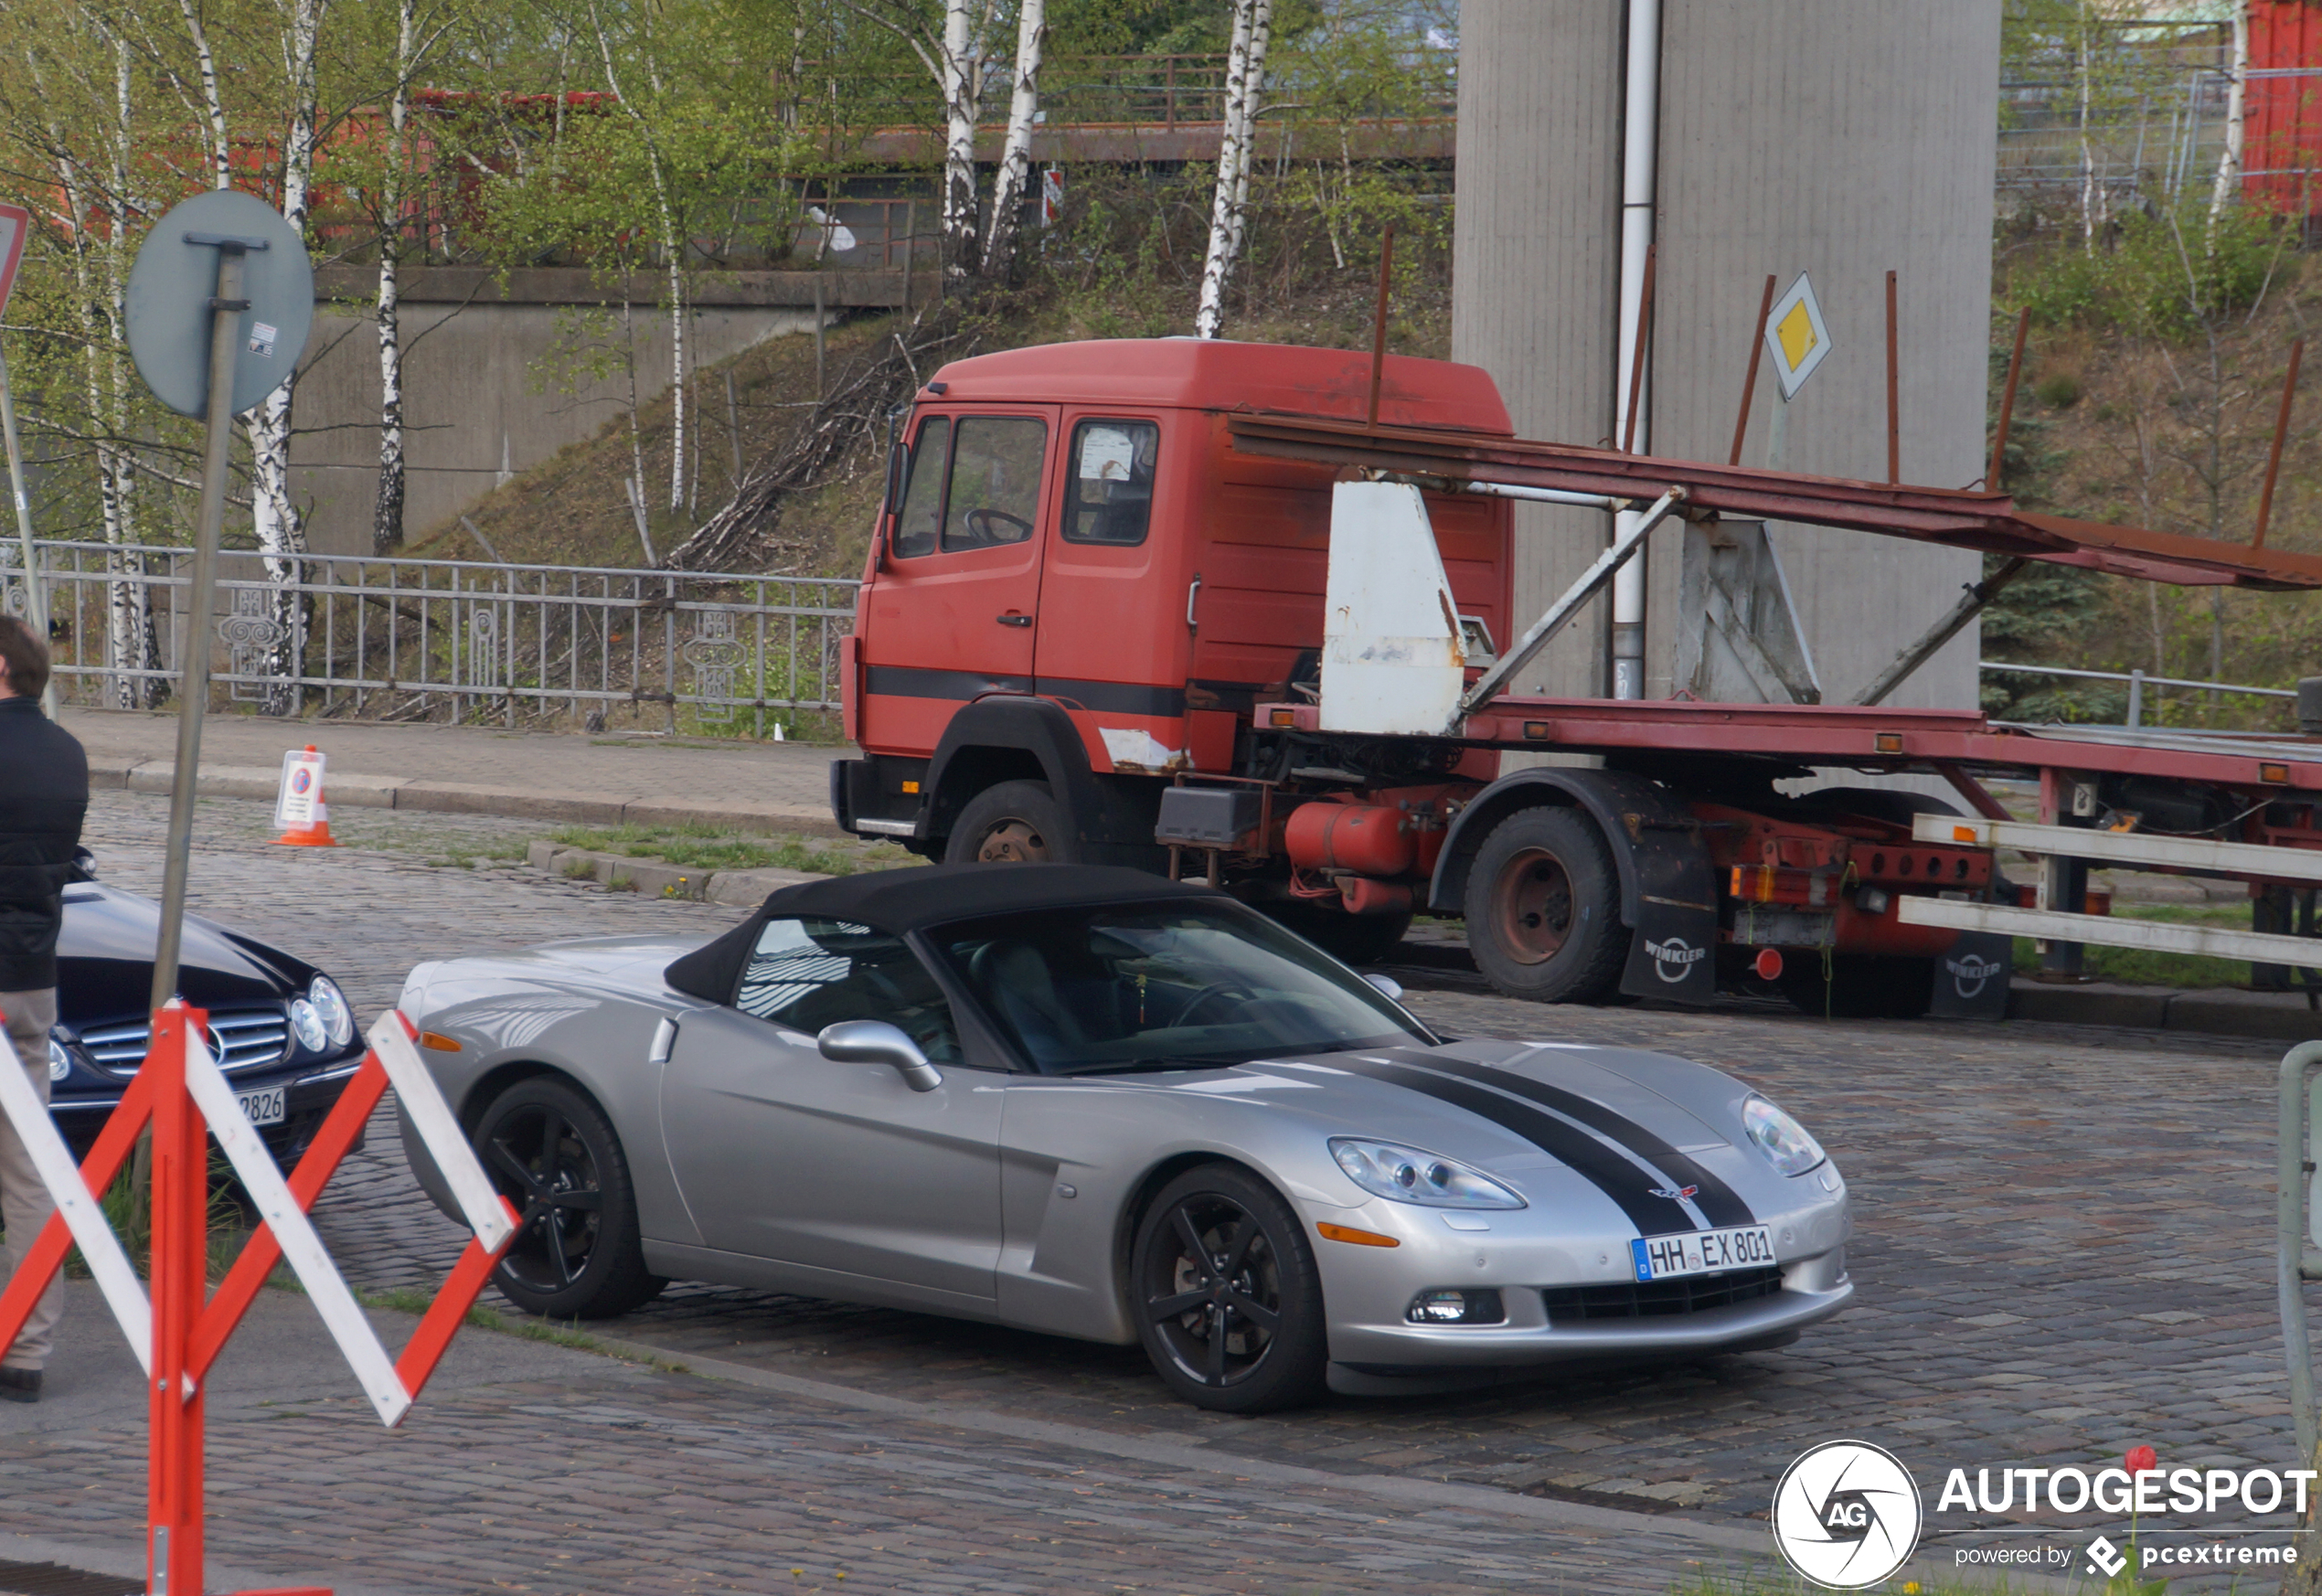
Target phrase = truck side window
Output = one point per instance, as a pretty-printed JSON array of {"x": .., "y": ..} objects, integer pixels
[
  {"x": 924, "y": 496},
  {"x": 995, "y": 481},
  {"x": 1109, "y": 495}
]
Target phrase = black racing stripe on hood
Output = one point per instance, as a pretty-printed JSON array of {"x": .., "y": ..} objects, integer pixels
[
  {"x": 1615, "y": 1177},
  {"x": 1720, "y": 1203}
]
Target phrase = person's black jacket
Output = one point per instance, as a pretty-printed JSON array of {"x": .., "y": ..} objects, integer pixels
[{"x": 44, "y": 794}]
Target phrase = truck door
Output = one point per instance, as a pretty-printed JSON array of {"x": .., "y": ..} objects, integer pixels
[
  {"x": 1112, "y": 636},
  {"x": 954, "y": 609}
]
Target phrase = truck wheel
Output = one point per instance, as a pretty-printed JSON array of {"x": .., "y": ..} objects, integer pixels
[
  {"x": 1351, "y": 938},
  {"x": 1014, "y": 823},
  {"x": 1543, "y": 909},
  {"x": 1861, "y": 986}
]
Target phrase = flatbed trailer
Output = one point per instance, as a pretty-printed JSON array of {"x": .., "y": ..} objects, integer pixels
[{"x": 1242, "y": 635}]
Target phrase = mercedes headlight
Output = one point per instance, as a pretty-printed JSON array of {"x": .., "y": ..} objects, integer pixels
[
  {"x": 314, "y": 1034},
  {"x": 331, "y": 1004},
  {"x": 1406, "y": 1174},
  {"x": 59, "y": 1059},
  {"x": 1782, "y": 1139}
]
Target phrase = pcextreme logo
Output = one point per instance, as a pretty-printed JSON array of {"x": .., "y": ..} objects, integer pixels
[{"x": 1846, "y": 1515}]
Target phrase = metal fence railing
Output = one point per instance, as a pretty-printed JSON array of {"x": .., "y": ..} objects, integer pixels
[
  {"x": 2135, "y": 682},
  {"x": 448, "y": 640}
]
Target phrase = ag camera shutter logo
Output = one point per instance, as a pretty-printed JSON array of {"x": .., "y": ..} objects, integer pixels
[{"x": 1846, "y": 1515}]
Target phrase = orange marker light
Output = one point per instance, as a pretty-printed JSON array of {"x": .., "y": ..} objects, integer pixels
[
  {"x": 438, "y": 1042},
  {"x": 1359, "y": 1238}
]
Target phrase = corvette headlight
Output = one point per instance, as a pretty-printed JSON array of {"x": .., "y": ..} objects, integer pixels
[
  {"x": 313, "y": 1034},
  {"x": 330, "y": 1003},
  {"x": 1782, "y": 1139},
  {"x": 60, "y": 1060},
  {"x": 1406, "y": 1174}
]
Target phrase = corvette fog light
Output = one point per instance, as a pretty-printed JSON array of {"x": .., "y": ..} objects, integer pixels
[
  {"x": 313, "y": 1034},
  {"x": 1460, "y": 1307}
]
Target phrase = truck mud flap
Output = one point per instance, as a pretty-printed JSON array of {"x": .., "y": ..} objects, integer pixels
[
  {"x": 1971, "y": 981},
  {"x": 1672, "y": 952}
]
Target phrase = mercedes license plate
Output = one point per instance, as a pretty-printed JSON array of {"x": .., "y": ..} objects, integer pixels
[
  {"x": 264, "y": 1107},
  {"x": 1702, "y": 1252}
]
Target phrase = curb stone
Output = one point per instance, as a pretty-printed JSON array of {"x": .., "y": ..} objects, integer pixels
[
  {"x": 355, "y": 790},
  {"x": 620, "y": 873}
]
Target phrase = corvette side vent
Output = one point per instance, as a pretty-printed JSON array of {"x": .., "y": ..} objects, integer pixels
[{"x": 1659, "y": 1298}]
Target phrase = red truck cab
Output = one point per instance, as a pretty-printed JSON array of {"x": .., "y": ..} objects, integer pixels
[{"x": 1077, "y": 584}]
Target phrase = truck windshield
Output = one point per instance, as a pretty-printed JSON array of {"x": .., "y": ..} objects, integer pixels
[{"x": 1130, "y": 986}]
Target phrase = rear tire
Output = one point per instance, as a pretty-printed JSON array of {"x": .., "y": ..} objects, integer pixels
[
  {"x": 1543, "y": 909},
  {"x": 1351, "y": 938},
  {"x": 1012, "y": 822}
]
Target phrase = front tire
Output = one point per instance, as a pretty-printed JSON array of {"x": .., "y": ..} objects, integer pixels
[
  {"x": 578, "y": 1254},
  {"x": 1012, "y": 823},
  {"x": 1543, "y": 909},
  {"x": 1227, "y": 1295}
]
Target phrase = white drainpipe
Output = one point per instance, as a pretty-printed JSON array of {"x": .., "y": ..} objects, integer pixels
[{"x": 1640, "y": 122}]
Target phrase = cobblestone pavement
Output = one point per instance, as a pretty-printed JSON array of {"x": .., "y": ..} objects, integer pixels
[{"x": 2063, "y": 1249}]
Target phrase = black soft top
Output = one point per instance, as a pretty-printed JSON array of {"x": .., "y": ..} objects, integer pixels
[{"x": 907, "y": 899}]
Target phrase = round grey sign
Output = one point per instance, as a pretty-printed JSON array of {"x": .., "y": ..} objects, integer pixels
[{"x": 175, "y": 278}]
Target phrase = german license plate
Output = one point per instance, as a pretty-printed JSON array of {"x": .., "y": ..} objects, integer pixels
[
  {"x": 1702, "y": 1252},
  {"x": 265, "y": 1107}
]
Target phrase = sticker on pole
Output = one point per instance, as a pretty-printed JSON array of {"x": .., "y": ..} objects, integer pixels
[
  {"x": 15, "y": 222},
  {"x": 1796, "y": 336},
  {"x": 299, "y": 802}
]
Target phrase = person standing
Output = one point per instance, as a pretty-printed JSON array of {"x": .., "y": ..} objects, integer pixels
[{"x": 44, "y": 796}]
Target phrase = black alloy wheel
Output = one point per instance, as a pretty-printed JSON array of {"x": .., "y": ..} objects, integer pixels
[
  {"x": 577, "y": 1254},
  {"x": 1228, "y": 1298}
]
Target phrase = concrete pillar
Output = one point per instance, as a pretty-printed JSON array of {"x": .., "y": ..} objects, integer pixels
[{"x": 1821, "y": 135}]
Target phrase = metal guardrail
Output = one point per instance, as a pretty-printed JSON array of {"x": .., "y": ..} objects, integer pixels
[
  {"x": 2138, "y": 682},
  {"x": 438, "y": 639}
]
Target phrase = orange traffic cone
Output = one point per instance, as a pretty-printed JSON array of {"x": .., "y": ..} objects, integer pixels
[{"x": 302, "y": 795}]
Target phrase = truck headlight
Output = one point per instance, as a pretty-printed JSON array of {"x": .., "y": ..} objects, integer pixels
[{"x": 1406, "y": 1174}]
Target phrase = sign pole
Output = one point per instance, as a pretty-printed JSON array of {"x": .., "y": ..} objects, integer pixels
[
  {"x": 193, "y": 677},
  {"x": 37, "y": 600},
  {"x": 180, "y": 1182}
]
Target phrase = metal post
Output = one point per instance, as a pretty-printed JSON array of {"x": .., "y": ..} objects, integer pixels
[
  {"x": 2007, "y": 401},
  {"x": 35, "y": 610},
  {"x": 1970, "y": 605},
  {"x": 1894, "y": 402},
  {"x": 1379, "y": 321},
  {"x": 2295, "y": 1265},
  {"x": 818, "y": 338},
  {"x": 1750, "y": 383},
  {"x": 180, "y": 1286},
  {"x": 2273, "y": 460},
  {"x": 193, "y": 670},
  {"x": 2135, "y": 699}
]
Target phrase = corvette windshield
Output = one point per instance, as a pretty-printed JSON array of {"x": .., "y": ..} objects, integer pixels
[{"x": 1134, "y": 986}]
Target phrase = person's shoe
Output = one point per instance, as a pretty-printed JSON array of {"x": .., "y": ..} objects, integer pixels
[{"x": 20, "y": 1385}]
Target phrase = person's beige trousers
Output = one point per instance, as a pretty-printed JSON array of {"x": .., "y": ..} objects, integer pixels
[{"x": 25, "y": 1203}]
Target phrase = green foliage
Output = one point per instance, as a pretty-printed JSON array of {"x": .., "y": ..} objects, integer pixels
[
  {"x": 2048, "y": 615},
  {"x": 2060, "y": 391},
  {"x": 707, "y": 847},
  {"x": 2162, "y": 276}
]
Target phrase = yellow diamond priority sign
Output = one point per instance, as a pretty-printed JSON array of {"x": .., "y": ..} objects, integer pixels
[{"x": 1797, "y": 338}]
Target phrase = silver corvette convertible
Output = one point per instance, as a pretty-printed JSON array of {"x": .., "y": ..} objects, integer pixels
[{"x": 1092, "y": 1102}]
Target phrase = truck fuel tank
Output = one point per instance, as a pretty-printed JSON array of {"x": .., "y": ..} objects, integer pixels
[{"x": 1369, "y": 839}]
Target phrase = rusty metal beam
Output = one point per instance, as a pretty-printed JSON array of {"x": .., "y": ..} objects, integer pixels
[{"x": 1954, "y": 517}]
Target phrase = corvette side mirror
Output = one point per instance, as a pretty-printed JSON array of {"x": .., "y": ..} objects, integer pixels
[{"x": 876, "y": 1042}]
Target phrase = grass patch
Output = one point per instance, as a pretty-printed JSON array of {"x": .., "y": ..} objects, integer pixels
[{"x": 707, "y": 847}]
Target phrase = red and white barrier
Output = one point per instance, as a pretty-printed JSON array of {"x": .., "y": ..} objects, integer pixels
[{"x": 179, "y": 1332}]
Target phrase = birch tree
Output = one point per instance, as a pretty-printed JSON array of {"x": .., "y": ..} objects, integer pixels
[
  {"x": 955, "y": 57},
  {"x": 1229, "y": 210},
  {"x": 1015, "y": 155},
  {"x": 2228, "y": 159}
]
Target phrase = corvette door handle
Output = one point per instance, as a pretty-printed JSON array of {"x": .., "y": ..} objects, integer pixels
[{"x": 1013, "y": 620}]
